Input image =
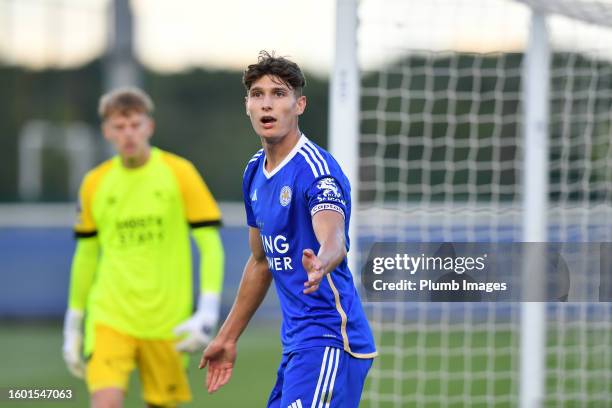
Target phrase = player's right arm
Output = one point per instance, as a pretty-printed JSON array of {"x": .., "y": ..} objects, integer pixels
[
  {"x": 220, "y": 354},
  {"x": 81, "y": 277},
  {"x": 84, "y": 265}
]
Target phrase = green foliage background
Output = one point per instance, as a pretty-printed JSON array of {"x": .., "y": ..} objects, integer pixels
[{"x": 200, "y": 115}]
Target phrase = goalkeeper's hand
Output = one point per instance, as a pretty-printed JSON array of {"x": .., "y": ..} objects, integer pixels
[
  {"x": 199, "y": 329},
  {"x": 73, "y": 341}
]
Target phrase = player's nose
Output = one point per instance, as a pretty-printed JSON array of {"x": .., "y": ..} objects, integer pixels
[
  {"x": 266, "y": 103},
  {"x": 128, "y": 137}
]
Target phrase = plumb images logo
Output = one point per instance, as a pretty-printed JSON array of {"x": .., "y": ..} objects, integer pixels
[{"x": 431, "y": 276}]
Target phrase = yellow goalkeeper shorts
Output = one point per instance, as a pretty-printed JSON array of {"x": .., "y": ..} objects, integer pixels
[{"x": 162, "y": 369}]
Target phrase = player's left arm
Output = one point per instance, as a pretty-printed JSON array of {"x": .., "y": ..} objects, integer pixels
[
  {"x": 204, "y": 217},
  {"x": 84, "y": 265},
  {"x": 201, "y": 326},
  {"x": 82, "y": 273},
  {"x": 329, "y": 229}
]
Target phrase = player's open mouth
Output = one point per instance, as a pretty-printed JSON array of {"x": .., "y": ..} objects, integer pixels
[{"x": 267, "y": 121}]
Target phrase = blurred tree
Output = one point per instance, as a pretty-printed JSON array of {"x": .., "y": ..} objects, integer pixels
[
  {"x": 56, "y": 95},
  {"x": 200, "y": 115}
]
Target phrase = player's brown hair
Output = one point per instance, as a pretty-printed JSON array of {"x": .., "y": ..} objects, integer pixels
[
  {"x": 268, "y": 64},
  {"x": 124, "y": 101}
]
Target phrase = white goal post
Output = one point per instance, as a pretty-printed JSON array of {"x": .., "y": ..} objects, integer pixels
[{"x": 479, "y": 121}]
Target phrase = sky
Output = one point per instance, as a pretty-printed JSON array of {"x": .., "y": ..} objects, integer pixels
[
  {"x": 170, "y": 35},
  {"x": 227, "y": 34}
]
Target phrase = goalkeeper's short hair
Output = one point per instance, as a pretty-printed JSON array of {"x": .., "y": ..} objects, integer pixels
[{"x": 124, "y": 101}]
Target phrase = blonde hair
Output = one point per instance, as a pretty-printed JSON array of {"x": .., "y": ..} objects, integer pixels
[{"x": 124, "y": 101}]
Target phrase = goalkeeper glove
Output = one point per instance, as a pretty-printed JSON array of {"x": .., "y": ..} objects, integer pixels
[
  {"x": 198, "y": 330},
  {"x": 73, "y": 340}
]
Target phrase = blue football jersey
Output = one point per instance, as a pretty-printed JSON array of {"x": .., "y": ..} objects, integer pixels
[{"x": 281, "y": 204}]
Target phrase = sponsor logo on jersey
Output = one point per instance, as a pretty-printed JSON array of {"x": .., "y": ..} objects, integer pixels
[
  {"x": 285, "y": 196},
  {"x": 329, "y": 187},
  {"x": 329, "y": 191},
  {"x": 254, "y": 196},
  {"x": 274, "y": 246},
  {"x": 136, "y": 231}
]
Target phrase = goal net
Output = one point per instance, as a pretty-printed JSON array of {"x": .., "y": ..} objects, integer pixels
[{"x": 441, "y": 160}]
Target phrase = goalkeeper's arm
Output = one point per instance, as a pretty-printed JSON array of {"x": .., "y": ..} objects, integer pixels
[
  {"x": 84, "y": 264},
  {"x": 199, "y": 328}
]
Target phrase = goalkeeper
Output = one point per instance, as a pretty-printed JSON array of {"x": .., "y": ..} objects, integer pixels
[{"x": 131, "y": 272}]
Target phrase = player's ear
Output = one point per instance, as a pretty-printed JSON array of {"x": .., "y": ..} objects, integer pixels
[
  {"x": 104, "y": 128},
  {"x": 151, "y": 126},
  {"x": 246, "y": 105},
  {"x": 301, "y": 104}
]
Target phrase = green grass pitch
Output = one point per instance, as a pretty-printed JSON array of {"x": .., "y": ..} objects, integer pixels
[{"x": 30, "y": 357}]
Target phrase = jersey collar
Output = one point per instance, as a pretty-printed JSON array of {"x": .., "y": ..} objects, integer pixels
[
  {"x": 152, "y": 157},
  {"x": 303, "y": 139}
]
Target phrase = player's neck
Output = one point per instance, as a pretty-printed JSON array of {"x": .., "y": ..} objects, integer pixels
[
  {"x": 137, "y": 161},
  {"x": 277, "y": 151}
]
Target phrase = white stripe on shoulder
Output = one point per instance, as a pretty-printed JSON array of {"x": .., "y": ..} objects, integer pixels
[
  {"x": 256, "y": 155},
  {"x": 312, "y": 167},
  {"x": 319, "y": 155},
  {"x": 323, "y": 365},
  {"x": 253, "y": 159},
  {"x": 314, "y": 158}
]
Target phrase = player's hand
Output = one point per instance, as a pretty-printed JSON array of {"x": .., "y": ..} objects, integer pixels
[
  {"x": 198, "y": 330},
  {"x": 73, "y": 341},
  {"x": 220, "y": 357},
  {"x": 314, "y": 268}
]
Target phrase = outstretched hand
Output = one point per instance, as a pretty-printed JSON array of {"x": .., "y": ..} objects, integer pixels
[
  {"x": 220, "y": 358},
  {"x": 314, "y": 268}
]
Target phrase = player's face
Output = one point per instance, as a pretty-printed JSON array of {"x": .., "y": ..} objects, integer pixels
[
  {"x": 129, "y": 134},
  {"x": 273, "y": 108}
]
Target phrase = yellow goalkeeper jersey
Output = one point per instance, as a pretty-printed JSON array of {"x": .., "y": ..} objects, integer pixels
[{"x": 143, "y": 282}]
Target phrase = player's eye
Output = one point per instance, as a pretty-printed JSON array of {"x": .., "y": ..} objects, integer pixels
[
  {"x": 280, "y": 93},
  {"x": 256, "y": 94}
]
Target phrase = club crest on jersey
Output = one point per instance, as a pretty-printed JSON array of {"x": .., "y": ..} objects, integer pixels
[{"x": 285, "y": 196}]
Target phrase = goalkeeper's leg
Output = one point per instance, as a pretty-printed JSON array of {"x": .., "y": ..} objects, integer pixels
[{"x": 112, "y": 359}]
